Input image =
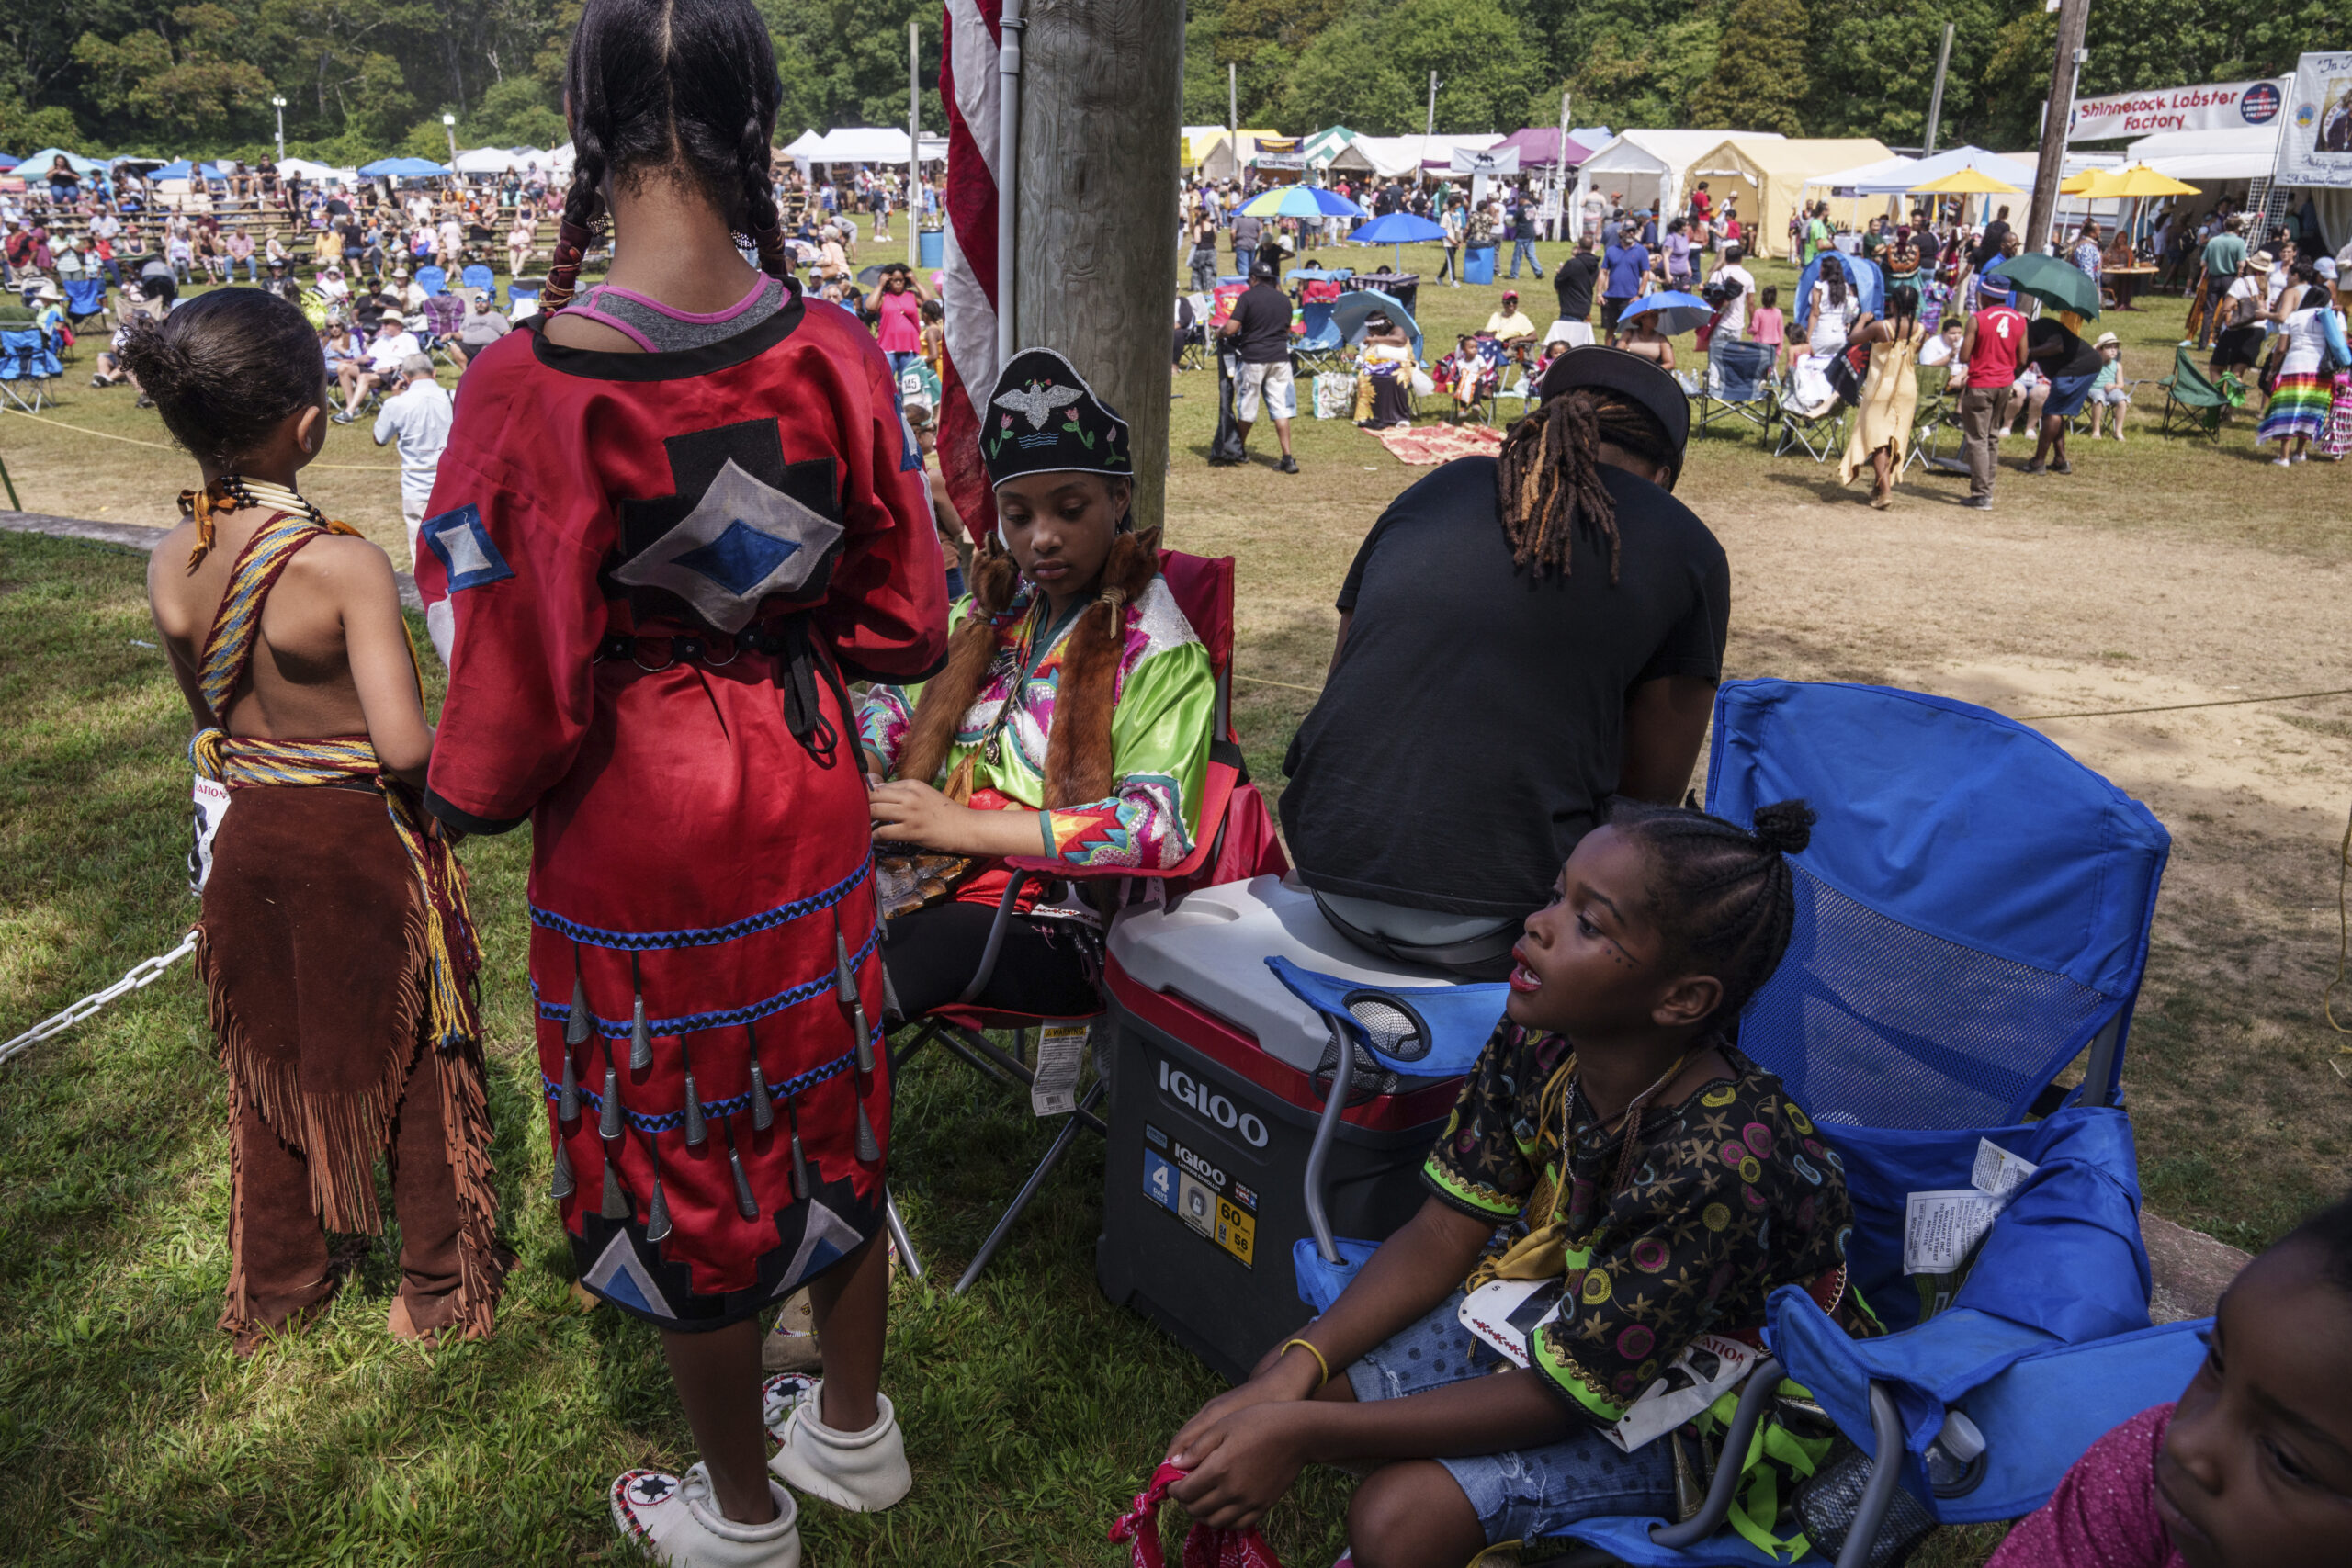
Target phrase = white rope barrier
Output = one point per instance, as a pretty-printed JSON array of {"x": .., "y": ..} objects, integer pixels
[{"x": 141, "y": 974}]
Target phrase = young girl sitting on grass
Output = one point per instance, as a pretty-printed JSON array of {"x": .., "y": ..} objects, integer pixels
[
  {"x": 2252, "y": 1468},
  {"x": 1632, "y": 1150}
]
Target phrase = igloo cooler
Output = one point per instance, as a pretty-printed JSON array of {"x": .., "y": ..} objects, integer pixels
[{"x": 1218, "y": 1079}]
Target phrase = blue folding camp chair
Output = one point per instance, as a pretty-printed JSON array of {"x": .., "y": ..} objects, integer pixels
[
  {"x": 1740, "y": 384},
  {"x": 1320, "y": 347},
  {"x": 517, "y": 293},
  {"x": 86, "y": 299},
  {"x": 478, "y": 276},
  {"x": 433, "y": 280},
  {"x": 1971, "y": 916},
  {"x": 29, "y": 366}
]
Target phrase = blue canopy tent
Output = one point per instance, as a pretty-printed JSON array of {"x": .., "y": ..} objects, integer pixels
[
  {"x": 8, "y": 161},
  {"x": 183, "y": 170},
  {"x": 1398, "y": 228},
  {"x": 402, "y": 169}
]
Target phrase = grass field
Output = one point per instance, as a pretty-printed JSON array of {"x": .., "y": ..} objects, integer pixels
[{"x": 129, "y": 1434}]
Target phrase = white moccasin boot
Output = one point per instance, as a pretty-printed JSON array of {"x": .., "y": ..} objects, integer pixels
[
  {"x": 680, "y": 1524},
  {"x": 862, "y": 1471}
]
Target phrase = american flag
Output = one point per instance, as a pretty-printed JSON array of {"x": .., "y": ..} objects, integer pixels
[{"x": 967, "y": 86}]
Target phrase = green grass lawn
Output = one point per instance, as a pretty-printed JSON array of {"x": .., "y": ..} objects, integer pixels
[{"x": 129, "y": 1433}]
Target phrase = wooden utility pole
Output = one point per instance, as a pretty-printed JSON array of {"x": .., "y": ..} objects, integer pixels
[
  {"x": 1936, "y": 99},
  {"x": 2074, "y": 16},
  {"x": 1101, "y": 115}
]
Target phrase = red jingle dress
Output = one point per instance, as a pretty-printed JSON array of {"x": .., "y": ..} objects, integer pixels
[{"x": 654, "y": 572}]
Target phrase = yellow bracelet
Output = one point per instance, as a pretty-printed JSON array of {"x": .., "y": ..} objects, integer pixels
[{"x": 1312, "y": 1351}]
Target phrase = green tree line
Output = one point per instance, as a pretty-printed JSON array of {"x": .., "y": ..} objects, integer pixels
[{"x": 365, "y": 78}]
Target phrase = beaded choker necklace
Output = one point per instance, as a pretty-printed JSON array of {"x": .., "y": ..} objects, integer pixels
[{"x": 261, "y": 492}]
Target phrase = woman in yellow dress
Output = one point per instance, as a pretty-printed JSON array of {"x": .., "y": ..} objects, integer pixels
[{"x": 1880, "y": 434}]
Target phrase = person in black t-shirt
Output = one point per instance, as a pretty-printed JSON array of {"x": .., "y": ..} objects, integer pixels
[
  {"x": 1574, "y": 280},
  {"x": 1258, "y": 332},
  {"x": 1522, "y": 636}
]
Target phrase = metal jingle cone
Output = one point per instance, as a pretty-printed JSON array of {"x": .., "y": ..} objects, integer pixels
[
  {"x": 657, "y": 1217},
  {"x": 608, "y": 1123},
  {"x": 641, "y": 1039},
  {"x": 695, "y": 1132},
  {"x": 762, "y": 1103},
  {"x": 800, "y": 1186},
  {"x": 575, "y": 1022},
  {"x": 869, "y": 1148},
  {"x": 565, "y": 1183},
  {"x": 852, "y": 1004},
  {"x": 567, "y": 1097},
  {"x": 745, "y": 1204},
  {"x": 615, "y": 1205}
]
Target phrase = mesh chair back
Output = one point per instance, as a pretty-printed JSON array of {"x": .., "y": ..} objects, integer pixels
[
  {"x": 432, "y": 279},
  {"x": 447, "y": 313},
  {"x": 1973, "y": 910},
  {"x": 477, "y": 276},
  {"x": 1742, "y": 368}
]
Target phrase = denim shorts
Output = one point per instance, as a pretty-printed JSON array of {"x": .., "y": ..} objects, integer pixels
[{"x": 1529, "y": 1493}]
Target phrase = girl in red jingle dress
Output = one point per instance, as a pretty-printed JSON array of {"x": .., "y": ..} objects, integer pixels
[{"x": 676, "y": 515}]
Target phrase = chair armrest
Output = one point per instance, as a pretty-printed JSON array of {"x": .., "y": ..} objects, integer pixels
[
  {"x": 1004, "y": 907},
  {"x": 1763, "y": 1382}
]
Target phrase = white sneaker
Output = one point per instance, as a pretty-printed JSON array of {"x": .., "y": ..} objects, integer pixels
[
  {"x": 678, "y": 1522},
  {"x": 862, "y": 1471}
]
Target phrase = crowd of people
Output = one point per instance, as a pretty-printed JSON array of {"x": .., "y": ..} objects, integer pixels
[{"x": 697, "y": 463}]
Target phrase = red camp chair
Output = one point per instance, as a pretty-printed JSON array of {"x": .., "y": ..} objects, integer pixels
[{"x": 1237, "y": 841}]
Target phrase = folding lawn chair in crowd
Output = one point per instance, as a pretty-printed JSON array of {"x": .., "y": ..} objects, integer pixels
[
  {"x": 1193, "y": 331},
  {"x": 1740, "y": 383},
  {"x": 1319, "y": 346},
  {"x": 519, "y": 294},
  {"x": 2191, "y": 396},
  {"x": 29, "y": 366},
  {"x": 1973, "y": 915},
  {"x": 1933, "y": 422},
  {"x": 434, "y": 280},
  {"x": 85, "y": 301},
  {"x": 1203, "y": 588},
  {"x": 479, "y": 276}
]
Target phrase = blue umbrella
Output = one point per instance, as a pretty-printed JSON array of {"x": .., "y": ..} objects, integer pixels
[
  {"x": 1353, "y": 310},
  {"x": 1677, "y": 313},
  {"x": 1397, "y": 229},
  {"x": 400, "y": 169}
]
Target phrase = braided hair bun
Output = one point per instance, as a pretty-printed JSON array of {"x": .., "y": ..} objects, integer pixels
[{"x": 1785, "y": 826}]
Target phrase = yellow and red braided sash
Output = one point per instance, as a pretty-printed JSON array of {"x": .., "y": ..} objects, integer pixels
[{"x": 245, "y": 762}]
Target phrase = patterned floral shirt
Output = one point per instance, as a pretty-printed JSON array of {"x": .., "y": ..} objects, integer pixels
[
  {"x": 1731, "y": 1195},
  {"x": 1162, "y": 702}
]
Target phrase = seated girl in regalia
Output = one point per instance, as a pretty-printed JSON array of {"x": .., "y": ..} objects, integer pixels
[{"x": 1070, "y": 724}]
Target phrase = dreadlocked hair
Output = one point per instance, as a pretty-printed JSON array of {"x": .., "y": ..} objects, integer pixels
[
  {"x": 679, "y": 88},
  {"x": 1548, "y": 476},
  {"x": 1725, "y": 896}
]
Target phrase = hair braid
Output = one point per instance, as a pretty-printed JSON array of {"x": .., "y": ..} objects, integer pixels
[
  {"x": 762, "y": 224},
  {"x": 1725, "y": 896},
  {"x": 584, "y": 204}
]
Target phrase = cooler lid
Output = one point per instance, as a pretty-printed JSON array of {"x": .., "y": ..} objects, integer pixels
[{"x": 1211, "y": 949}]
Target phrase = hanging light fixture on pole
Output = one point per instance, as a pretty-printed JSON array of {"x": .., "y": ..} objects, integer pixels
[
  {"x": 449, "y": 124},
  {"x": 277, "y": 102}
]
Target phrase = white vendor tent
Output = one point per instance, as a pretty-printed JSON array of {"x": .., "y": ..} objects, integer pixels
[
  {"x": 1879, "y": 176},
  {"x": 2198, "y": 156},
  {"x": 1648, "y": 166},
  {"x": 883, "y": 144}
]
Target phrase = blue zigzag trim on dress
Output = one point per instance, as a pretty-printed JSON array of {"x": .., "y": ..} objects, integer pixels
[
  {"x": 693, "y": 1023},
  {"x": 707, "y": 936},
  {"x": 592, "y": 1103}
]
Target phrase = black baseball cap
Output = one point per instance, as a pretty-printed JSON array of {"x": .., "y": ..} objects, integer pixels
[{"x": 1639, "y": 381}]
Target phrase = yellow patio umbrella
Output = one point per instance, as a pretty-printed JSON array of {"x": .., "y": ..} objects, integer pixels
[
  {"x": 1966, "y": 182},
  {"x": 2138, "y": 180},
  {"x": 2082, "y": 181}
]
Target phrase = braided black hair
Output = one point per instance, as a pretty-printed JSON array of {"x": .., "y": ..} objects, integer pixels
[
  {"x": 1548, "y": 476},
  {"x": 1723, "y": 896},
  {"x": 683, "y": 88}
]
